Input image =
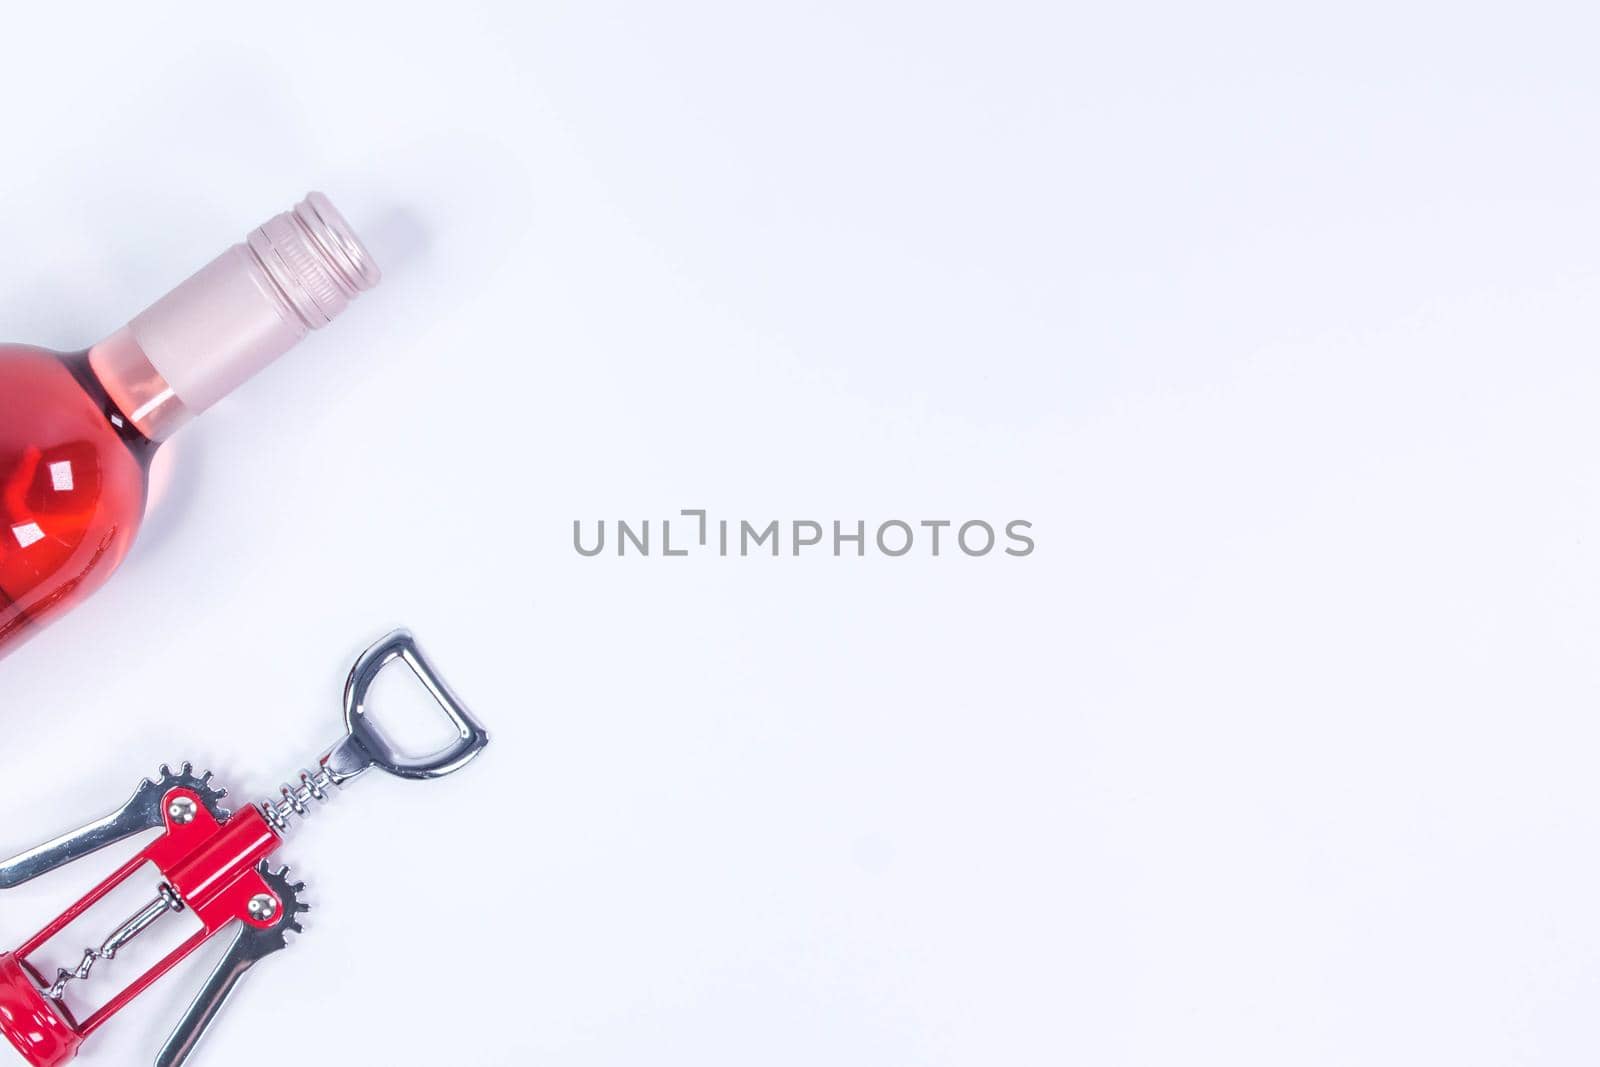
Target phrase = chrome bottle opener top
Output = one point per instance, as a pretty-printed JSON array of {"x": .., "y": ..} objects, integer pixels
[{"x": 213, "y": 863}]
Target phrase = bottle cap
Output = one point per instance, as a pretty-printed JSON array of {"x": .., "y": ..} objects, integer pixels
[{"x": 295, "y": 273}]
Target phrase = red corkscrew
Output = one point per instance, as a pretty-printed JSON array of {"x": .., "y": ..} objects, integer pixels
[{"x": 213, "y": 864}]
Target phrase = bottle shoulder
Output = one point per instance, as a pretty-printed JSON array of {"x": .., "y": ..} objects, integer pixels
[
  {"x": 72, "y": 488},
  {"x": 56, "y": 394}
]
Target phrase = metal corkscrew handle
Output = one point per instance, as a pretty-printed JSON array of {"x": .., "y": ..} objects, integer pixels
[{"x": 364, "y": 745}]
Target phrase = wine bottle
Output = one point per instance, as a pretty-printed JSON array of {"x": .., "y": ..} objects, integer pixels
[{"x": 77, "y": 431}]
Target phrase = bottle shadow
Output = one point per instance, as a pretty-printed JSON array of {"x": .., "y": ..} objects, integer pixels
[
  {"x": 396, "y": 236},
  {"x": 175, "y": 477}
]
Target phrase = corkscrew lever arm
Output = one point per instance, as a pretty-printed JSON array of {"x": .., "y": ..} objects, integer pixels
[
  {"x": 203, "y": 1011},
  {"x": 72, "y": 845},
  {"x": 143, "y": 811},
  {"x": 249, "y": 946}
]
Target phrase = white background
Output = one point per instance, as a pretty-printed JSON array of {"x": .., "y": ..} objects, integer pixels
[{"x": 1280, "y": 326}]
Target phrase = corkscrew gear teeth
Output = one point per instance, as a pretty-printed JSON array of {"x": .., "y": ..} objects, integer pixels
[
  {"x": 213, "y": 864},
  {"x": 289, "y": 893},
  {"x": 185, "y": 778}
]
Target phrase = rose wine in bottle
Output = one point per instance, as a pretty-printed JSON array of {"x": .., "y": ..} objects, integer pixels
[{"x": 77, "y": 431}]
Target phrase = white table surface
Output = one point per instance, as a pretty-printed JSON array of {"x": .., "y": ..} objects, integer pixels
[{"x": 1280, "y": 327}]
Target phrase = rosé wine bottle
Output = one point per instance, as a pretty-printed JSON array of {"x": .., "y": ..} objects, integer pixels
[{"x": 77, "y": 431}]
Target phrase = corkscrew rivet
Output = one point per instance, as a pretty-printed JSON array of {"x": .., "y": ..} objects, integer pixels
[
  {"x": 262, "y": 907},
  {"x": 181, "y": 811}
]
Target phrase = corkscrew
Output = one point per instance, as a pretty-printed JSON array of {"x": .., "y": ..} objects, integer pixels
[{"x": 213, "y": 864}]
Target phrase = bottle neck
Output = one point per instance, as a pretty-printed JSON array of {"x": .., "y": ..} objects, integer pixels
[
  {"x": 145, "y": 398},
  {"x": 237, "y": 314}
]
